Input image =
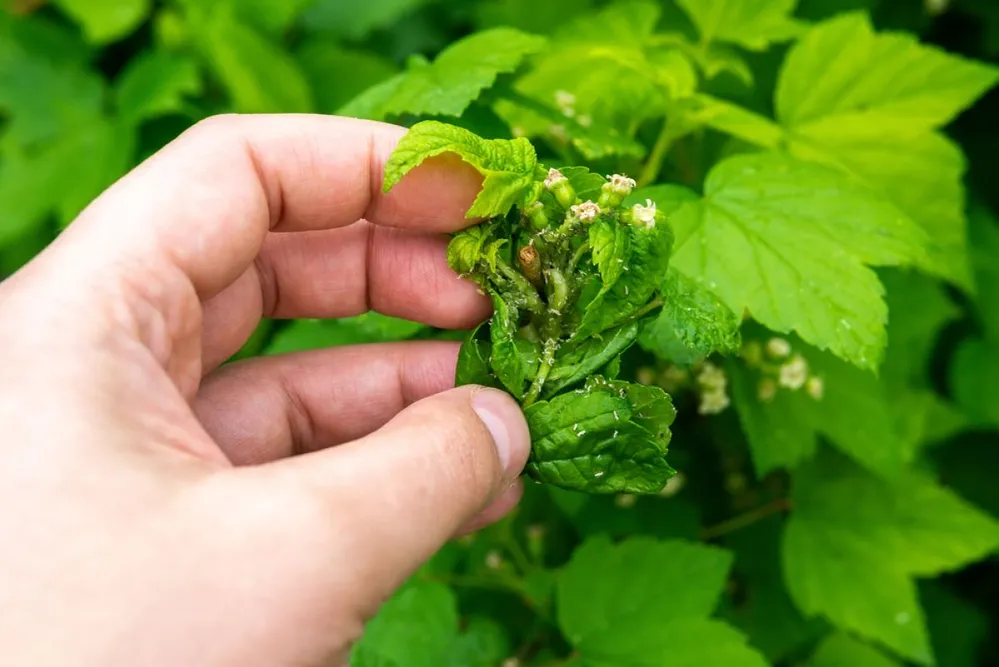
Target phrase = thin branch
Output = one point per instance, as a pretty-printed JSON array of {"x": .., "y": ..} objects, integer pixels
[{"x": 746, "y": 519}]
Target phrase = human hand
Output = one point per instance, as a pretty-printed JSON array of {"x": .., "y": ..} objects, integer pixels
[{"x": 153, "y": 511}]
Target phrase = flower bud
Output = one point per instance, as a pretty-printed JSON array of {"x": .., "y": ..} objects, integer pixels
[
  {"x": 586, "y": 212},
  {"x": 536, "y": 216},
  {"x": 794, "y": 373},
  {"x": 778, "y": 348},
  {"x": 614, "y": 191},
  {"x": 530, "y": 264},
  {"x": 559, "y": 185},
  {"x": 815, "y": 387},
  {"x": 643, "y": 216}
]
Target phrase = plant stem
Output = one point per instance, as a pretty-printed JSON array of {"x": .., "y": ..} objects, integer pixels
[
  {"x": 670, "y": 132},
  {"x": 539, "y": 381},
  {"x": 469, "y": 581},
  {"x": 746, "y": 519},
  {"x": 531, "y": 298},
  {"x": 577, "y": 257}
]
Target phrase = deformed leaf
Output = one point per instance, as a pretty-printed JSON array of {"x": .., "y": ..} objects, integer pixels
[
  {"x": 693, "y": 323},
  {"x": 586, "y": 358},
  {"x": 592, "y": 439},
  {"x": 611, "y": 244},
  {"x": 507, "y": 165}
]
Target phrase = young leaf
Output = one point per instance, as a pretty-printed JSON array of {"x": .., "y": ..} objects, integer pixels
[
  {"x": 753, "y": 24},
  {"x": 473, "y": 360},
  {"x": 620, "y": 604},
  {"x": 593, "y": 440},
  {"x": 508, "y": 166},
  {"x": 155, "y": 84},
  {"x": 788, "y": 241},
  {"x": 854, "y": 544},
  {"x": 460, "y": 73},
  {"x": 611, "y": 244},
  {"x": 692, "y": 325},
  {"x": 587, "y": 358},
  {"x": 506, "y": 357},
  {"x": 642, "y": 270}
]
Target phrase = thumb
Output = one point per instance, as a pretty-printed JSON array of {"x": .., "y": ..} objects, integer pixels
[{"x": 400, "y": 493}]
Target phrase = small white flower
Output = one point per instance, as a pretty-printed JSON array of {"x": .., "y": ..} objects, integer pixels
[
  {"x": 794, "y": 373},
  {"x": 778, "y": 348},
  {"x": 645, "y": 214},
  {"x": 625, "y": 500},
  {"x": 493, "y": 560},
  {"x": 585, "y": 120},
  {"x": 554, "y": 176},
  {"x": 711, "y": 377},
  {"x": 713, "y": 402},
  {"x": 558, "y": 133},
  {"x": 511, "y": 662},
  {"x": 586, "y": 212},
  {"x": 622, "y": 183},
  {"x": 767, "y": 390},
  {"x": 564, "y": 99},
  {"x": 815, "y": 387}
]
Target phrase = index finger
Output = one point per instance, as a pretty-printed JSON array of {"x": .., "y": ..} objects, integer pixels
[{"x": 205, "y": 203}]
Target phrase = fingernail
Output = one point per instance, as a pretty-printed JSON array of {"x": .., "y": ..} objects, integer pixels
[{"x": 506, "y": 423}]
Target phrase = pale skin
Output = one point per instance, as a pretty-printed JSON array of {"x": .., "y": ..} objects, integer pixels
[{"x": 162, "y": 509}]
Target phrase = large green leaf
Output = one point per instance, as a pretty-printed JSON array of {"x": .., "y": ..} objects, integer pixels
[
  {"x": 790, "y": 242},
  {"x": 842, "y": 650},
  {"x": 355, "y": 20},
  {"x": 647, "y": 603},
  {"x": 854, "y": 544}
]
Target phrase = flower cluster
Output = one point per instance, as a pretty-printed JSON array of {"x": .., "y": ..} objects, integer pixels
[
  {"x": 707, "y": 379},
  {"x": 781, "y": 368}
]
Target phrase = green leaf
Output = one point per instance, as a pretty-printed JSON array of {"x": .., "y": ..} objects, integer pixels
[
  {"x": 483, "y": 643},
  {"x": 644, "y": 602},
  {"x": 862, "y": 107},
  {"x": 106, "y": 20},
  {"x": 356, "y": 20},
  {"x": 573, "y": 364},
  {"x": 761, "y": 606},
  {"x": 154, "y": 84},
  {"x": 886, "y": 80},
  {"x": 753, "y": 24},
  {"x": 372, "y": 327},
  {"x": 473, "y": 361},
  {"x": 474, "y": 248},
  {"x": 248, "y": 65},
  {"x": 508, "y": 166},
  {"x": 789, "y": 242},
  {"x": 598, "y": 439},
  {"x": 602, "y": 76},
  {"x": 528, "y": 15},
  {"x": 459, "y": 74},
  {"x": 45, "y": 87},
  {"x": 272, "y": 16},
  {"x": 842, "y": 650},
  {"x": 416, "y": 628},
  {"x": 641, "y": 275},
  {"x": 506, "y": 357},
  {"x": 611, "y": 244},
  {"x": 338, "y": 75},
  {"x": 856, "y": 412},
  {"x": 854, "y": 544},
  {"x": 692, "y": 325}
]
